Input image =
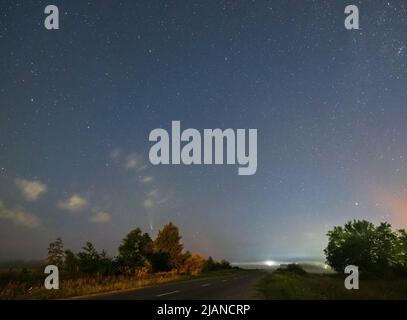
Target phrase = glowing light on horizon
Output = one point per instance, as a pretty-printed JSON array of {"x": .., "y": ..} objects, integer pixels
[{"x": 270, "y": 263}]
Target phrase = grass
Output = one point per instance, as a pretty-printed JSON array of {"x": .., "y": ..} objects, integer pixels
[
  {"x": 288, "y": 284},
  {"x": 92, "y": 285}
]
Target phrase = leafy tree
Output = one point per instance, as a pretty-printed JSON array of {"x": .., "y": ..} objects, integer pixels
[
  {"x": 385, "y": 247},
  {"x": 373, "y": 249},
  {"x": 401, "y": 253},
  {"x": 89, "y": 259},
  {"x": 193, "y": 265},
  {"x": 56, "y": 253},
  {"x": 351, "y": 244},
  {"x": 135, "y": 249},
  {"x": 159, "y": 261},
  {"x": 106, "y": 264},
  {"x": 224, "y": 264},
  {"x": 210, "y": 265},
  {"x": 168, "y": 242},
  {"x": 71, "y": 264}
]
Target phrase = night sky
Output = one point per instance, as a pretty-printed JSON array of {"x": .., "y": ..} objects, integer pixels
[{"x": 77, "y": 106}]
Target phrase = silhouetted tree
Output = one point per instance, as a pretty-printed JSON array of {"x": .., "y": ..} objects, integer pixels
[
  {"x": 402, "y": 248},
  {"x": 135, "y": 249},
  {"x": 385, "y": 247},
  {"x": 159, "y": 261},
  {"x": 224, "y": 264},
  {"x": 105, "y": 264},
  {"x": 372, "y": 249},
  {"x": 89, "y": 259},
  {"x": 210, "y": 265},
  {"x": 71, "y": 264}
]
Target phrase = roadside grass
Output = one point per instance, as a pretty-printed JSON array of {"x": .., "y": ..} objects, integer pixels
[
  {"x": 18, "y": 290},
  {"x": 286, "y": 284}
]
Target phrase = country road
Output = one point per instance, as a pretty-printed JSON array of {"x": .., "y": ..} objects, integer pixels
[{"x": 238, "y": 286}]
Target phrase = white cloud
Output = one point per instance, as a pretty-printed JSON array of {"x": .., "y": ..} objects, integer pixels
[
  {"x": 134, "y": 161},
  {"x": 147, "y": 179},
  {"x": 31, "y": 190},
  {"x": 74, "y": 203},
  {"x": 154, "y": 199},
  {"x": 101, "y": 217},
  {"x": 19, "y": 217}
]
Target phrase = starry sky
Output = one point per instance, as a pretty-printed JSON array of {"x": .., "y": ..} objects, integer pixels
[{"x": 77, "y": 106}]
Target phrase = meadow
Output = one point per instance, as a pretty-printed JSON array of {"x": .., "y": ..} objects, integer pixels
[{"x": 295, "y": 283}]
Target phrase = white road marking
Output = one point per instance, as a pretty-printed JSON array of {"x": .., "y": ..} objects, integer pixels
[
  {"x": 167, "y": 293},
  {"x": 206, "y": 284},
  {"x": 224, "y": 280}
]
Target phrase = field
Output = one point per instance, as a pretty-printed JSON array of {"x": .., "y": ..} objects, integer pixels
[{"x": 285, "y": 284}]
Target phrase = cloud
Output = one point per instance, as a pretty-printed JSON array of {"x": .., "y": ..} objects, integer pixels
[
  {"x": 31, "y": 190},
  {"x": 147, "y": 179},
  {"x": 19, "y": 217},
  {"x": 74, "y": 203},
  {"x": 101, "y": 217},
  {"x": 135, "y": 161},
  {"x": 154, "y": 198}
]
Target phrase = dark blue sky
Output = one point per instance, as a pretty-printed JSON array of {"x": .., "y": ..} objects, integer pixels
[{"x": 77, "y": 106}]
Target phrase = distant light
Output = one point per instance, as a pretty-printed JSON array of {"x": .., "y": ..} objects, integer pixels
[{"x": 270, "y": 263}]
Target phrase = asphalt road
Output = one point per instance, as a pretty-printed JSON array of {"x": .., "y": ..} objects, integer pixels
[{"x": 238, "y": 286}]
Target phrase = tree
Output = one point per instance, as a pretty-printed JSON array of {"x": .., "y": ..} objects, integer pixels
[
  {"x": 89, "y": 259},
  {"x": 194, "y": 264},
  {"x": 159, "y": 261},
  {"x": 135, "y": 249},
  {"x": 351, "y": 244},
  {"x": 56, "y": 253},
  {"x": 168, "y": 242},
  {"x": 210, "y": 265},
  {"x": 401, "y": 253},
  {"x": 71, "y": 264},
  {"x": 372, "y": 249},
  {"x": 106, "y": 264},
  {"x": 385, "y": 247},
  {"x": 224, "y": 264}
]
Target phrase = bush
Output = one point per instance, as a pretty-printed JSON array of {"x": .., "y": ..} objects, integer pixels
[
  {"x": 193, "y": 265},
  {"x": 293, "y": 269}
]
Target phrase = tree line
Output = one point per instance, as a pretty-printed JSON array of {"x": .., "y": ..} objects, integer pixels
[
  {"x": 137, "y": 253},
  {"x": 374, "y": 249}
]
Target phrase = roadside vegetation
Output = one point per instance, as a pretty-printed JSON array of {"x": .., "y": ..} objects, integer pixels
[
  {"x": 141, "y": 261},
  {"x": 379, "y": 252},
  {"x": 293, "y": 285}
]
